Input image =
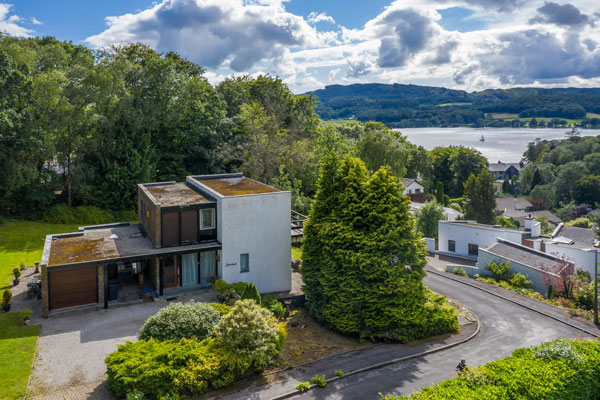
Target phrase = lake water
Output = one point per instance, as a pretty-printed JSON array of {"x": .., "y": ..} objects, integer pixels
[{"x": 501, "y": 144}]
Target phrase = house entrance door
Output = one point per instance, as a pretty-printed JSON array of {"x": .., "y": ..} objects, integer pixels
[
  {"x": 208, "y": 266},
  {"x": 189, "y": 269}
]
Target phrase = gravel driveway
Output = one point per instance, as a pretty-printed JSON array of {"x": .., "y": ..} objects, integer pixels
[{"x": 71, "y": 349}]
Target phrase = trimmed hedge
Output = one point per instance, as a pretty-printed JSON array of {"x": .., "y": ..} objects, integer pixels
[
  {"x": 558, "y": 370},
  {"x": 87, "y": 215}
]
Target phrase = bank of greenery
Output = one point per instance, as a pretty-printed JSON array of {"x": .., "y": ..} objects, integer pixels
[
  {"x": 363, "y": 262},
  {"x": 558, "y": 370},
  {"x": 195, "y": 347}
]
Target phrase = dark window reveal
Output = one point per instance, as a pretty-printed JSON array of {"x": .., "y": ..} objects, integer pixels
[
  {"x": 451, "y": 245},
  {"x": 473, "y": 249},
  {"x": 244, "y": 262}
]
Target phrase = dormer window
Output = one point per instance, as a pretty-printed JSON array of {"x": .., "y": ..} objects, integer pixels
[{"x": 207, "y": 218}]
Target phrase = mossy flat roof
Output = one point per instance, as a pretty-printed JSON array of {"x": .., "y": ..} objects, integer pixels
[
  {"x": 237, "y": 186},
  {"x": 175, "y": 194}
]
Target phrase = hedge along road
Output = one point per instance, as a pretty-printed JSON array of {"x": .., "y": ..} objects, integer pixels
[{"x": 505, "y": 326}]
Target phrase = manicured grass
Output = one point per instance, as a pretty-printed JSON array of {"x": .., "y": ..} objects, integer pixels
[
  {"x": 24, "y": 241},
  {"x": 297, "y": 253},
  {"x": 17, "y": 346}
]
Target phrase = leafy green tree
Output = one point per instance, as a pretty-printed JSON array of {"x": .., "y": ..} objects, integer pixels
[
  {"x": 480, "y": 198},
  {"x": 506, "y": 187},
  {"x": 587, "y": 189},
  {"x": 566, "y": 180},
  {"x": 428, "y": 217},
  {"x": 381, "y": 146}
]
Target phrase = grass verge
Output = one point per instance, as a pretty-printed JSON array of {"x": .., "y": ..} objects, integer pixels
[
  {"x": 297, "y": 252},
  {"x": 17, "y": 346}
]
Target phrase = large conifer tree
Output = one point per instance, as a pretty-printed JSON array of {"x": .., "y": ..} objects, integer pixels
[{"x": 363, "y": 262}]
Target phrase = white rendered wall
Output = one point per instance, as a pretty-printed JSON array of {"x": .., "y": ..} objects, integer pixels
[
  {"x": 464, "y": 234},
  {"x": 412, "y": 187},
  {"x": 260, "y": 226},
  {"x": 581, "y": 258}
]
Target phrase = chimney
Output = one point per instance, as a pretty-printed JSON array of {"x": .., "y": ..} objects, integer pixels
[{"x": 533, "y": 227}]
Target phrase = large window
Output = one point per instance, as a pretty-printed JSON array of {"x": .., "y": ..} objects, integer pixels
[
  {"x": 244, "y": 262},
  {"x": 451, "y": 245},
  {"x": 207, "y": 218},
  {"x": 473, "y": 249}
]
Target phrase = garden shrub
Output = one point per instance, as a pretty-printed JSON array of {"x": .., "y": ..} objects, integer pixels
[
  {"x": 251, "y": 292},
  {"x": 162, "y": 368},
  {"x": 272, "y": 304},
  {"x": 519, "y": 280},
  {"x": 500, "y": 270},
  {"x": 86, "y": 215},
  {"x": 223, "y": 309},
  {"x": 339, "y": 372},
  {"x": 239, "y": 287},
  {"x": 319, "y": 380},
  {"x": 16, "y": 273},
  {"x": 224, "y": 291},
  {"x": 459, "y": 271},
  {"x": 178, "y": 320},
  {"x": 6, "y": 296},
  {"x": 221, "y": 285},
  {"x": 250, "y": 330},
  {"x": 584, "y": 296},
  {"x": 562, "y": 369}
]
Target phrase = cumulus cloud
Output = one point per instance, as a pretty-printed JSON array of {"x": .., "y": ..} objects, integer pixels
[
  {"x": 533, "y": 55},
  {"x": 313, "y": 18},
  {"x": 358, "y": 68},
  {"x": 498, "y": 5},
  {"x": 405, "y": 32},
  {"x": 562, "y": 15},
  {"x": 214, "y": 33},
  {"x": 12, "y": 24}
]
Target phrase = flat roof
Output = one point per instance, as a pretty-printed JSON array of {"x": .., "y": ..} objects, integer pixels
[
  {"x": 110, "y": 243},
  {"x": 235, "y": 186},
  {"x": 175, "y": 194},
  {"x": 482, "y": 226}
]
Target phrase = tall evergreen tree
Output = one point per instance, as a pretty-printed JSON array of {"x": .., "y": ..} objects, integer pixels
[
  {"x": 480, "y": 198},
  {"x": 439, "y": 193},
  {"x": 363, "y": 262}
]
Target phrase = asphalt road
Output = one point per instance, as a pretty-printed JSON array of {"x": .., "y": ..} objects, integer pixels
[{"x": 504, "y": 327}]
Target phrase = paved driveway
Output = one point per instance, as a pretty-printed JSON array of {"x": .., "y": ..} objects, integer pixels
[{"x": 71, "y": 349}]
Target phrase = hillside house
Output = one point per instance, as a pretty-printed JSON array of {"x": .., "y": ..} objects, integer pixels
[
  {"x": 413, "y": 189},
  {"x": 501, "y": 170},
  {"x": 189, "y": 234},
  {"x": 577, "y": 245}
]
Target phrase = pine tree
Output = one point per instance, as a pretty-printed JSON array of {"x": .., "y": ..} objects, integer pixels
[
  {"x": 439, "y": 193},
  {"x": 480, "y": 198},
  {"x": 365, "y": 265}
]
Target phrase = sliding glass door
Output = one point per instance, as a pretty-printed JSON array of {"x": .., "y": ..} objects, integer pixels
[
  {"x": 189, "y": 269},
  {"x": 208, "y": 266}
]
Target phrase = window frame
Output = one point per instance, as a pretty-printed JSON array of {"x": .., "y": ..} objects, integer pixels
[
  {"x": 201, "y": 218},
  {"x": 247, "y": 268},
  {"x": 476, "y": 253},
  {"x": 452, "y": 248}
]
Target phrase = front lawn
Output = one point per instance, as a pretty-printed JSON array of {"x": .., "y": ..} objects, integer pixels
[
  {"x": 17, "y": 346},
  {"x": 296, "y": 253},
  {"x": 24, "y": 241}
]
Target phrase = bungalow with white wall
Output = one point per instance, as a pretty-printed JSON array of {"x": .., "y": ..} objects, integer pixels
[{"x": 465, "y": 238}]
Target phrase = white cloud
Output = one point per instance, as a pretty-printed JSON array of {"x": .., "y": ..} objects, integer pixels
[
  {"x": 10, "y": 23},
  {"x": 405, "y": 43}
]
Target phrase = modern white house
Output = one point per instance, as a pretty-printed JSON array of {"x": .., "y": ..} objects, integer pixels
[
  {"x": 189, "y": 234},
  {"x": 577, "y": 245},
  {"x": 450, "y": 213},
  {"x": 465, "y": 238}
]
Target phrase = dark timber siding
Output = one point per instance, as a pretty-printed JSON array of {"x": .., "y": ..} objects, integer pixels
[
  {"x": 73, "y": 287},
  {"x": 170, "y": 228},
  {"x": 189, "y": 226}
]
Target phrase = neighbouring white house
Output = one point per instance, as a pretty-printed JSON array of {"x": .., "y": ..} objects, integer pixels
[
  {"x": 578, "y": 245},
  {"x": 534, "y": 264},
  {"x": 414, "y": 189},
  {"x": 189, "y": 234},
  {"x": 465, "y": 238}
]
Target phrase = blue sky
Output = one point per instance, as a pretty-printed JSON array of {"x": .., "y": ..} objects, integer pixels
[{"x": 470, "y": 44}]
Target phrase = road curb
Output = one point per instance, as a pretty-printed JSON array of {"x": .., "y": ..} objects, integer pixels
[
  {"x": 513, "y": 301},
  {"x": 388, "y": 362}
]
